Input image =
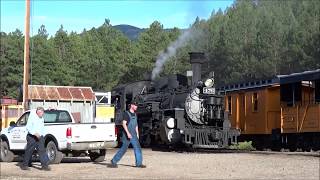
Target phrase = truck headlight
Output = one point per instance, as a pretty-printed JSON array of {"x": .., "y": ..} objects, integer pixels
[
  {"x": 170, "y": 123},
  {"x": 209, "y": 82}
]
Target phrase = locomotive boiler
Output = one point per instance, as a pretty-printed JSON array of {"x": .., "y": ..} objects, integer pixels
[{"x": 172, "y": 111}]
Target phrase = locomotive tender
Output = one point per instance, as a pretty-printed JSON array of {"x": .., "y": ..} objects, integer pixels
[{"x": 173, "y": 112}]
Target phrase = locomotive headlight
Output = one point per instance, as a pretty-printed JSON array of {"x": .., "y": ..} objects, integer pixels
[
  {"x": 170, "y": 123},
  {"x": 170, "y": 135},
  {"x": 209, "y": 82}
]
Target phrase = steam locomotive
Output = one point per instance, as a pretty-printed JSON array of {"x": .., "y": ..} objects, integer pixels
[{"x": 173, "y": 112}]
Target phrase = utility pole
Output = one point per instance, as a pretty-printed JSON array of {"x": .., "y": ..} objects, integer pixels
[{"x": 26, "y": 57}]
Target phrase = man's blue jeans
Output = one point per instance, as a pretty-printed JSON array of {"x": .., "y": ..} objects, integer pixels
[
  {"x": 125, "y": 144},
  {"x": 32, "y": 144}
]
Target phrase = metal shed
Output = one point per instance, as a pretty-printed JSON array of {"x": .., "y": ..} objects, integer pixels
[{"x": 78, "y": 100}]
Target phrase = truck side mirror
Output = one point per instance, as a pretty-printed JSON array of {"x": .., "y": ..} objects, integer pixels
[{"x": 12, "y": 124}]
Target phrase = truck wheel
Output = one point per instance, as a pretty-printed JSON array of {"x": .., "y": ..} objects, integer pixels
[
  {"x": 54, "y": 155},
  {"x": 5, "y": 155},
  {"x": 98, "y": 157}
]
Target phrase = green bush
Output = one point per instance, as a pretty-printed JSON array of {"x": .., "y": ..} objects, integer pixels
[{"x": 243, "y": 146}]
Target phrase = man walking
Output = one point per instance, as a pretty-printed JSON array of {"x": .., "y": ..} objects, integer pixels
[
  {"x": 35, "y": 139},
  {"x": 130, "y": 134}
]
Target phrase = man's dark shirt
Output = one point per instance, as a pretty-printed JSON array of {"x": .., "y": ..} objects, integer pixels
[{"x": 126, "y": 116}]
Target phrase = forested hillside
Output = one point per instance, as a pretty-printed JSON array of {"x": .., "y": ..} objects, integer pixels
[
  {"x": 130, "y": 31},
  {"x": 250, "y": 40}
]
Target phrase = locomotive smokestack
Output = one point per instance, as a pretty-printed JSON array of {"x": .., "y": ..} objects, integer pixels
[{"x": 196, "y": 59}]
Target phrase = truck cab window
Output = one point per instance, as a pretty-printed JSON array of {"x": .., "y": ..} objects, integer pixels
[
  {"x": 64, "y": 117},
  {"x": 22, "y": 121},
  {"x": 50, "y": 117}
]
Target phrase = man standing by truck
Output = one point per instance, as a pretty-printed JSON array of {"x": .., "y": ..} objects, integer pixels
[
  {"x": 35, "y": 139},
  {"x": 130, "y": 134}
]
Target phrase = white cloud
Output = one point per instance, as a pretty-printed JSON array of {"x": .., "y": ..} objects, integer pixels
[
  {"x": 40, "y": 18},
  {"x": 175, "y": 20}
]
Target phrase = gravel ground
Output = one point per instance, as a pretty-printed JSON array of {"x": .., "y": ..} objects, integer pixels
[{"x": 174, "y": 165}]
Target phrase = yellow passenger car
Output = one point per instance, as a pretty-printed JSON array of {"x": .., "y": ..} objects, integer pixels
[{"x": 283, "y": 112}]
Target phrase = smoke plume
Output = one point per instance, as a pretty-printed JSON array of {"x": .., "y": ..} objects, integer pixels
[{"x": 171, "y": 50}]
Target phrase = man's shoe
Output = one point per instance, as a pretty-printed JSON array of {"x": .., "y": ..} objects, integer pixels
[
  {"x": 24, "y": 167},
  {"x": 112, "y": 165},
  {"x": 46, "y": 168},
  {"x": 141, "y": 166}
]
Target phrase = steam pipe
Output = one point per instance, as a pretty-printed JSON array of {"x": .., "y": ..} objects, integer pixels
[{"x": 196, "y": 60}]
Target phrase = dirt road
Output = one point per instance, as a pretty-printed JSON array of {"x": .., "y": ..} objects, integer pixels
[{"x": 173, "y": 165}]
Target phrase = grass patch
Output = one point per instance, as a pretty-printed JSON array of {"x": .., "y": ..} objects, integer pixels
[{"x": 243, "y": 146}]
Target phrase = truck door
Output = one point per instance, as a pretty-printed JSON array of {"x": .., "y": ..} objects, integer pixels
[{"x": 18, "y": 133}]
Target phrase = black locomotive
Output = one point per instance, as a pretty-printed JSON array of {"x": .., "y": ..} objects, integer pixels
[{"x": 173, "y": 112}]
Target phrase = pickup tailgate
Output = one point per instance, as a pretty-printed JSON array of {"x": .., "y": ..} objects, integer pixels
[{"x": 93, "y": 132}]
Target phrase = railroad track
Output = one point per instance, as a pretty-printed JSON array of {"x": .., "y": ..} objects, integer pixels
[{"x": 265, "y": 152}]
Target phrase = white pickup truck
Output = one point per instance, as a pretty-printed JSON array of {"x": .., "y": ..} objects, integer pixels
[{"x": 63, "y": 137}]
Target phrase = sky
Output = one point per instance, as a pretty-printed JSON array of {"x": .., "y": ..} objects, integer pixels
[{"x": 85, "y": 14}]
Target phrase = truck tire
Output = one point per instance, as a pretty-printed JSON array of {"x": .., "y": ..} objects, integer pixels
[
  {"x": 5, "y": 155},
  {"x": 54, "y": 155},
  {"x": 98, "y": 157}
]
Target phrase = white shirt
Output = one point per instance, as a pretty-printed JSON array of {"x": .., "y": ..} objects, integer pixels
[{"x": 35, "y": 124}]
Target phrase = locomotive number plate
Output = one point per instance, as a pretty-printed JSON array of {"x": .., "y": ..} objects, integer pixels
[{"x": 207, "y": 90}]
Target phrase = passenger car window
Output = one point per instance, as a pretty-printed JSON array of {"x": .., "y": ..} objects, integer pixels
[
  {"x": 22, "y": 121},
  {"x": 255, "y": 102},
  {"x": 229, "y": 104}
]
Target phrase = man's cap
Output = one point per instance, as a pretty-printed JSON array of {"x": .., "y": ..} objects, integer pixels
[{"x": 134, "y": 102}]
